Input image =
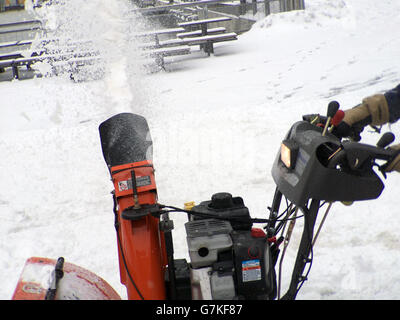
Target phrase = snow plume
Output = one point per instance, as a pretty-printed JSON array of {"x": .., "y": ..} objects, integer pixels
[
  {"x": 78, "y": 27},
  {"x": 101, "y": 27}
]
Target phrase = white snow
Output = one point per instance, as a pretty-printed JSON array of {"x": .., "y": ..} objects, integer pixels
[
  {"x": 39, "y": 274},
  {"x": 216, "y": 123}
]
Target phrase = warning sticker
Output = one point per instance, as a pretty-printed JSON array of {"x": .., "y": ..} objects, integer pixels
[
  {"x": 123, "y": 185},
  {"x": 140, "y": 182},
  {"x": 251, "y": 270}
]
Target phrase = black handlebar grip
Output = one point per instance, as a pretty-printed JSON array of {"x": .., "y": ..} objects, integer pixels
[
  {"x": 333, "y": 107},
  {"x": 386, "y": 139}
]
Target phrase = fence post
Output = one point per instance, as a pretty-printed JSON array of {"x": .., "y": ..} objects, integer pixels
[
  {"x": 254, "y": 5},
  {"x": 243, "y": 8},
  {"x": 267, "y": 10}
]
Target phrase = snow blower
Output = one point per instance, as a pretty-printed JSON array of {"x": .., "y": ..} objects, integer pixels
[{"x": 230, "y": 259}]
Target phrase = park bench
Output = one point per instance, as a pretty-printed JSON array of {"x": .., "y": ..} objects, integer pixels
[
  {"x": 206, "y": 41},
  {"x": 152, "y": 48},
  {"x": 19, "y": 61},
  {"x": 200, "y": 28},
  {"x": 160, "y": 53}
]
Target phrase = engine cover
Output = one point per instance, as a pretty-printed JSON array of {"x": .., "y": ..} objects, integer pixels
[{"x": 228, "y": 261}]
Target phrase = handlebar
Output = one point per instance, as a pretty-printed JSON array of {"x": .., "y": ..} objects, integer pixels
[
  {"x": 360, "y": 157},
  {"x": 355, "y": 156},
  {"x": 314, "y": 164}
]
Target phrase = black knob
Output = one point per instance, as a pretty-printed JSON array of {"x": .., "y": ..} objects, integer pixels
[
  {"x": 333, "y": 107},
  {"x": 221, "y": 200}
]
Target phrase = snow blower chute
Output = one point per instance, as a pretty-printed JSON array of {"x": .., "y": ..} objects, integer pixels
[{"x": 127, "y": 150}]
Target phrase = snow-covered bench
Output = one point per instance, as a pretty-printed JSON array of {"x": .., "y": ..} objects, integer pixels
[
  {"x": 153, "y": 50},
  {"x": 206, "y": 41},
  {"x": 160, "y": 53},
  {"x": 16, "y": 62},
  {"x": 205, "y": 37}
]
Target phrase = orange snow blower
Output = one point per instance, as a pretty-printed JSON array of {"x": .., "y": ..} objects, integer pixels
[{"x": 229, "y": 258}]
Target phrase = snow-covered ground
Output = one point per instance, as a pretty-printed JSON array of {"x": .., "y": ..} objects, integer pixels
[{"x": 216, "y": 123}]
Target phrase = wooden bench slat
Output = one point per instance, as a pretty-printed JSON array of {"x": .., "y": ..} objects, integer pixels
[
  {"x": 200, "y": 40},
  {"x": 171, "y": 49},
  {"x": 158, "y": 32},
  {"x": 10, "y": 24},
  {"x": 196, "y": 22},
  {"x": 160, "y": 53},
  {"x": 167, "y": 52},
  {"x": 10, "y": 55},
  {"x": 15, "y": 43},
  {"x": 199, "y": 32},
  {"x": 20, "y": 30},
  {"x": 171, "y": 42},
  {"x": 11, "y": 62}
]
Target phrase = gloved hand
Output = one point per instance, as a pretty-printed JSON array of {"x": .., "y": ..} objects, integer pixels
[
  {"x": 395, "y": 164},
  {"x": 373, "y": 111}
]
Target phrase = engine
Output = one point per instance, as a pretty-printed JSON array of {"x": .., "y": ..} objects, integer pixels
[{"x": 229, "y": 259}]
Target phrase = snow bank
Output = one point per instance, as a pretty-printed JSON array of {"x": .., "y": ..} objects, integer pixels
[{"x": 317, "y": 14}]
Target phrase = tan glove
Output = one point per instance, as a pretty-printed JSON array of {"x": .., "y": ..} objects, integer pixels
[
  {"x": 373, "y": 110},
  {"x": 395, "y": 164},
  {"x": 374, "y": 106}
]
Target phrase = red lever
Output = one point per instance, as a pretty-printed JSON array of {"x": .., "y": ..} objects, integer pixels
[
  {"x": 257, "y": 233},
  {"x": 337, "y": 118}
]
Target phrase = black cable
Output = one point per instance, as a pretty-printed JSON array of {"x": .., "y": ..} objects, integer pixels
[
  {"x": 309, "y": 260},
  {"x": 116, "y": 225},
  {"x": 212, "y": 216},
  {"x": 126, "y": 267},
  {"x": 283, "y": 222},
  {"x": 323, "y": 203}
]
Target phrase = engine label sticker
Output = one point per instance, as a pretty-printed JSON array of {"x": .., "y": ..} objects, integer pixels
[
  {"x": 140, "y": 182},
  {"x": 251, "y": 270}
]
